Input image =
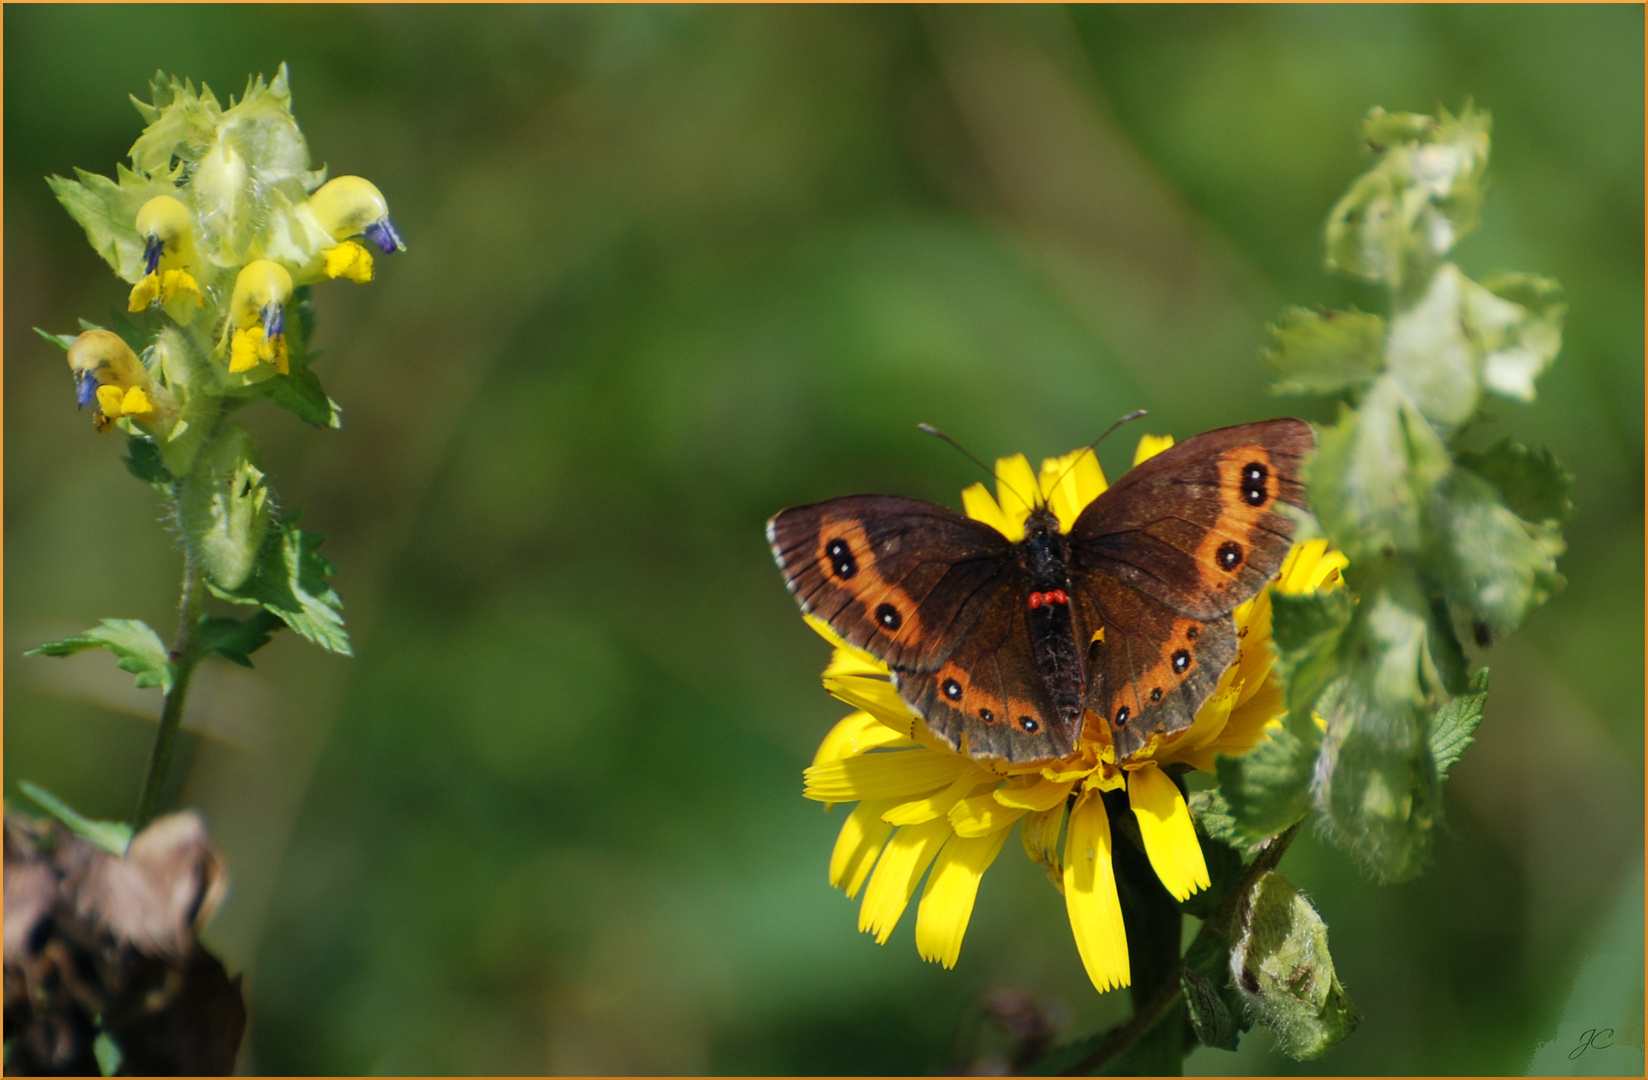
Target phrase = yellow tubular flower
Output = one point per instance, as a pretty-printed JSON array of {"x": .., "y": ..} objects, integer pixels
[
  {"x": 108, "y": 373},
  {"x": 921, "y": 805},
  {"x": 168, "y": 252},
  {"x": 257, "y": 317},
  {"x": 353, "y": 206}
]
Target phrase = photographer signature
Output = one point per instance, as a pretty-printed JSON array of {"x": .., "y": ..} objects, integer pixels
[{"x": 1592, "y": 1039}]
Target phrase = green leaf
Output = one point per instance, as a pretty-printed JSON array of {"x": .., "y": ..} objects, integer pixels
[
  {"x": 62, "y": 341},
  {"x": 1454, "y": 728},
  {"x": 1490, "y": 562},
  {"x": 111, "y": 836},
  {"x": 139, "y": 650},
  {"x": 1210, "y": 1017},
  {"x": 143, "y": 460},
  {"x": 1224, "y": 862},
  {"x": 1517, "y": 318},
  {"x": 108, "y": 1054},
  {"x": 1421, "y": 197},
  {"x": 1212, "y": 815},
  {"x": 301, "y": 393},
  {"x": 224, "y": 507},
  {"x": 1285, "y": 974},
  {"x": 107, "y": 210},
  {"x": 289, "y": 580},
  {"x": 1531, "y": 480},
  {"x": 1373, "y": 472},
  {"x": 1438, "y": 365},
  {"x": 1268, "y": 788},
  {"x": 1325, "y": 352},
  {"x": 1303, "y": 622},
  {"x": 236, "y": 639}
]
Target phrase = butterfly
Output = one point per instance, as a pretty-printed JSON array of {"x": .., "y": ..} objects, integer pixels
[{"x": 1003, "y": 647}]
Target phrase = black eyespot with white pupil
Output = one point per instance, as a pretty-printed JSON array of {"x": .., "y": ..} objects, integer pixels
[
  {"x": 1121, "y": 716},
  {"x": 1253, "y": 483},
  {"x": 1029, "y": 725},
  {"x": 841, "y": 559},
  {"x": 1229, "y": 555},
  {"x": 987, "y": 716},
  {"x": 952, "y": 689},
  {"x": 1181, "y": 660},
  {"x": 1156, "y": 694},
  {"x": 887, "y": 615}
]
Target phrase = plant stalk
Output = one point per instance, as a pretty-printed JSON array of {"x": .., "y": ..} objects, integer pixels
[{"x": 184, "y": 659}]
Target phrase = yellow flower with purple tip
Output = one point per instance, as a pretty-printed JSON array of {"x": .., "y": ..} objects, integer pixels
[
  {"x": 350, "y": 206},
  {"x": 107, "y": 373},
  {"x": 926, "y": 810},
  {"x": 168, "y": 251},
  {"x": 257, "y": 317}
]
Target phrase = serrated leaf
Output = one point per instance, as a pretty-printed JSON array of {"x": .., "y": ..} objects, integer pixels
[
  {"x": 1212, "y": 815},
  {"x": 1207, "y": 963},
  {"x": 1372, "y": 473},
  {"x": 143, "y": 460},
  {"x": 1210, "y": 1019},
  {"x": 1268, "y": 788},
  {"x": 1223, "y": 861},
  {"x": 289, "y": 580},
  {"x": 1438, "y": 364},
  {"x": 236, "y": 639},
  {"x": 1531, "y": 480},
  {"x": 138, "y": 649},
  {"x": 1325, "y": 352},
  {"x": 113, "y": 837},
  {"x": 301, "y": 393},
  {"x": 1301, "y": 622},
  {"x": 107, "y": 210},
  {"x": 1489, "y": 561},
  {"x": 1517, "y": 318},
  {"x": 1454, "y": 727}
]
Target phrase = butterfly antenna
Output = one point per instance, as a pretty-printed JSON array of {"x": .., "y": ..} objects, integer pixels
[
  {"x": 1136, "y": 414},
  {"x": 928, "y": 429}
]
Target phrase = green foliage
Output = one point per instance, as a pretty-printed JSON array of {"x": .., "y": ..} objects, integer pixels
[
  {"x": 1284, "y": 973},
  {"x": 289, "y": 580},
  {"x": 236, "y": 639},
  {"x": 223, "y": 505},
  {"x": 138, "y": 649},
  {"x": 1437, "y": 537},
  {"x": 112, "y": 836},
  {"x": 1217, "y": 1016},
  {"x": 1455, "y": 725}
]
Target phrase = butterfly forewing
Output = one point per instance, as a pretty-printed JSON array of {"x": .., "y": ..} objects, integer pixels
[{"x": 903, "y": 579}]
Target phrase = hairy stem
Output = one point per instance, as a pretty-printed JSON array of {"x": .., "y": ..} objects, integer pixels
[{"x": 183, "y": 658}]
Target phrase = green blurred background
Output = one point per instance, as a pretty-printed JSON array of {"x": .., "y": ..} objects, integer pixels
[{"x": 672, "y": 269}]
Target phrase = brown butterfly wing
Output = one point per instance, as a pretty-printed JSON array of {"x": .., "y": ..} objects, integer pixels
[
  {"x": 987, "y": 700},
  {"x": 1166, "y": 554},
  {"x": 903, "y": 579}
]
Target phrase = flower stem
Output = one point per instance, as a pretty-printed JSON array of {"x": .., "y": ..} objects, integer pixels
[
  {"x": 184, "y": 659},
  {"x": 1161, "y": 997}
]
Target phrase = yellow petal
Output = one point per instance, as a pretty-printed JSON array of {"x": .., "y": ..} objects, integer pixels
[
  {"x": 1040, "y": 836},
  {"x": 109, "y": 399},
  {"x": 861, "y": 839},
  {"x": 136, "y": 403},
  {"x": 854, "y": 734},
  {"x": 144, "y": 292},
  {"x": 978, "y": 504},
  {"x": 1033, "y": 792},
  {"x": 897, "y": 774},
  {"x": 244, "y": 349},
  {"x": 1090, "y": 895},
  {"x": 980, "y": 815},
  {"x": 349, "y": 260},
  {"x": 1069, "y": 483},
  {"x": 939, "y": 802},
  {"x": 1149, "y": 446},
  {"x": 947, "y": 901},
  {"x": 1169, "y": 837},
  {"x": 1310, "y": 566},
  {"x": 903, "y": 861},
  {"x": 1015, "y": 483},
  {"x": 874, "y": 694}
]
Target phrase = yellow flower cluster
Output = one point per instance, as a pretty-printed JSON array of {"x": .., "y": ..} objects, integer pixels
[{"x": 923, "y": 809}]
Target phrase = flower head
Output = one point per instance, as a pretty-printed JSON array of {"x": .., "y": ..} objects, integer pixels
[
  {"x": 925, "y": 809},
  {"x": 168, "y": 252},
  {"x": 257, "y": 317},
  {"x": 107, "y": 372}
]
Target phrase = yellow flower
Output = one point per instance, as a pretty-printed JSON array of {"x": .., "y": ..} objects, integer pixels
[
  {"x": 353, "y": 206},
  {"x": 257, "y": 317},
  {"x": 107, "y": 372},
  {"x": 168, "y": 251},
  {"x": 925, "y": 809},
  {"x": 349, "y": 260}
]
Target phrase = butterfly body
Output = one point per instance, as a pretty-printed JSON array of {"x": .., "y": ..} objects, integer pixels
[{"x": 1004, "y": 646}]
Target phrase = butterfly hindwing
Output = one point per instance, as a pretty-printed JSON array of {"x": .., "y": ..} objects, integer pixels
[
  {"x": 903, "y": 579},
  {"x": 987, "y": 699}
]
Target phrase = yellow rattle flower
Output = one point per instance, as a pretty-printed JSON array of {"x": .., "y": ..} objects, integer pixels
[
  {"x": 353, "y": 206},
  {"x": 168, "y": 251},
  {"x": 107, "y": 372},
  {"x": 257, "y": 317}
]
